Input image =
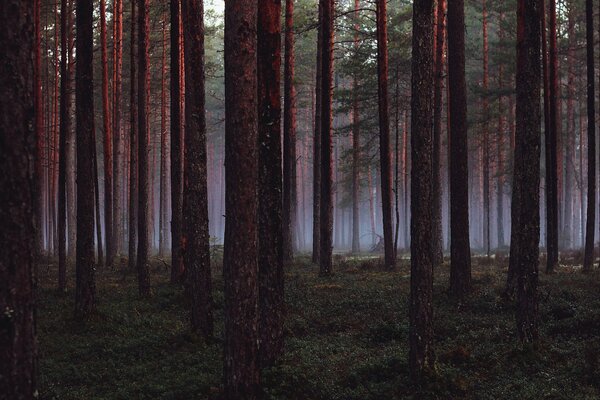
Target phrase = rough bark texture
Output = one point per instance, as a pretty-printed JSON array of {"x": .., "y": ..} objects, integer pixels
[
  {"x": 270, "y": 239},
  {"x": 107, "y": 142},
  {"x": 195, "y": 243},
  {"x": 460, "y": 263},
  {"x": 316, "y": 236},
  {"x": 588, "y": 259},
  {"x": 133, "y": 142},
  {"x": 85, "y": 289},
  {"x": 436, "y": 213},
  {"x": 17, "y": 231},
  {"x": 118, "y": 171},
  {"x": 385, "y": 155},
  {"x": 326, "y": 207},
  {"x": 289, "y": 137},
  {"x": 486, "y": 135},
  {"x": 143, "y": 146},
  {"x": 421, "y": 356},
  {"x": 526, "y": 179},
  {"x": 62, "y": 158},
  {"x": 176, "y": 149},
  {"x": 39, "y": 130},
  {"x": 552, "y": 135},
  {"x": 240, "y": 259},
  {"x": 164, "y": 201},
  {"x": 356, "y": 145}
]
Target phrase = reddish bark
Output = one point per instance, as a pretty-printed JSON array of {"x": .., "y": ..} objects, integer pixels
[
  {"x": 118, "y": 170},
  {"x": 133, "y": 141}
]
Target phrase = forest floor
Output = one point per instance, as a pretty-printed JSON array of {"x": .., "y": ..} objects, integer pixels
[{"x": 346, "y": 338}]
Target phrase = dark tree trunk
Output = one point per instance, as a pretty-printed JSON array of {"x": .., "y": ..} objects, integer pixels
[
  {"x": 317, "y": 145},
  {"x": 17, "y": 186},
  {"x": 436, "y": 214},
  {"x": 176, "y": 149},
  {"x": 108, "y": 162},
  {"x": 355, "y": 144},
  {"x": 270, "y": 239},
  {"x": 486, "y": 136},
  {"x": 118, "y": 173},
  {"x": 196, "y": 251},
  {"x": 98, "y": 221},
  {"x": 551, "y": 145},
  {"x": 326, "y": 206},
  {"x": 62, "y": 158},
  {"x": 460, "y": 268},
  {"x": 240, "y": 259},
  {"x": 85, "y": 290},
  {"x": 133, "y": 142},
  {"x": 162, "y": 224},
  {"x": 526, "y": 181},
  {"x": 289, "y": 137},
  {"x": 143, "y": 188},
  {"x": 421, "y": 356},
  {"x": 39, "y": 130},
  {"x": 588, "y": 259},
  {"x": 385, "y": 155}
]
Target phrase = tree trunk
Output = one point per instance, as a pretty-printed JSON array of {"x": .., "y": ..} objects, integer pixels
[
  {"x": 17, "y": 194},
  {"x": 526, "y": 181},
  {"x": 486, "y": 136},
  {"x": 98, "y": 220},
  {"x": 460, "y": 268},
  {"x": 270, "y": 230},
  {"x": 240, "y": 258},
  {"x": 195, "y": 239},
  {"x": 355, "y": 144},
  {"x": 176, "y": 147},
  {"x": 551, "y": 147},
  {"x": 326, "y": 207},
  {"x": 317, "y": 144},
  {"x": 85, "y": 291},
  {"x": 588, "y": 259},
  {"x": 39, "y": 130},
  {"x": 143, "y": 192},
  {"x": 440, "y": 29},
  {"x": 569, "y": 165},
  {"x": 118, "y": 171},
  {"x": 162, "y": 224},
  {"x": 420, "y": 336},
  {"x": 289, "y": 136},
  {"x": 500, "y": 163},
  {"x": 70, "y": 146},
  {"x": 108, "y": 162},
  {"x": 133, "y": 142},
  {"x": 384, "y": 135},
  {"x": 62, "y": 158}
]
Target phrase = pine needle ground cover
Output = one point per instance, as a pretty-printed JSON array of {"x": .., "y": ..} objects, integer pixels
[{"x": 346, "y": 338}]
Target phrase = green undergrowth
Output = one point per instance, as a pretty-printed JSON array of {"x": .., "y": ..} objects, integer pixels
[{"x": 346, "y": 338}]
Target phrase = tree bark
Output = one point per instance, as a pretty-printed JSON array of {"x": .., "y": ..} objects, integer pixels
[
  {"x": 17, "y": 196},
  {"x": 85, "y": 290},
  {"x": 526, "y": 181},
  {"x": 176, "y": 147},
  {"x": 270, "y": 230},
  {"x": 39, "y": 129},
  {"x": 588, "y": 259},
  {"x": 421, "y": 356},
  {"x": 143, "y": 188},
  {"x": 486, "y": 136},
  {"x": 384, "y": 135},
  {"x": 240, "y": 259},
  {"x": 133, "y": 142},
  {"x": 326, "y": 206},
  {"x": 289, "y": 137},
  {"x": 118, "y": 171},
  {"x": 316, "y": 236},
  {"x": 162, "y": 224},
  {"x": 460, "y": 267},
  {"x": 355, "y": 144}
]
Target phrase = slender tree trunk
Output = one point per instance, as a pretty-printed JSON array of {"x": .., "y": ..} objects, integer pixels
[
  {"x": 421, "y": 356},
  {"x": 500, "y": 163},
  {"x": 17, "y": 190},
  {"x": 97, "y": 200},
  {"x": 195, "y": 243},
  {"x": 588, "y": 259},
  {"x": 70, "y": 146},
  {"x": 460, "y": 271},
  {"x": 384, "y": 134},
  {"x": 176, "y": 147},
  {"x": 118, "y": 171},
  {"x": 62, "y": 159},
  {"x": 289, "y": 136},
  {"x": 317, "y": 145},
  {"x": 162, "y": 224},
  {"x": 569, "y": 165},
  {"x": 270, "y": 230},
  {"x": 326, "y": 208},
  {"x": 85, "y": 290},
  {"x": 355, "y": 144},
  {"x": 133, "y": 142},
  {"x": 39, "y": 129},
  {"x": 143, "y": 146},
  {"x": 486, "y": 136},
  {"x": 240, "y": 259},
  {"x": 440, "y": 29},
  {"x": 526, "y": 221}
]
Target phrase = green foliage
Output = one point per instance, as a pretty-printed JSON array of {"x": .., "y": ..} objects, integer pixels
[{"x": 346, "y": 338}]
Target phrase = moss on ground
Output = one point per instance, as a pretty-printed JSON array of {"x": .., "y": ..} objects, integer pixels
[{"x": 346, "y": 338}]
